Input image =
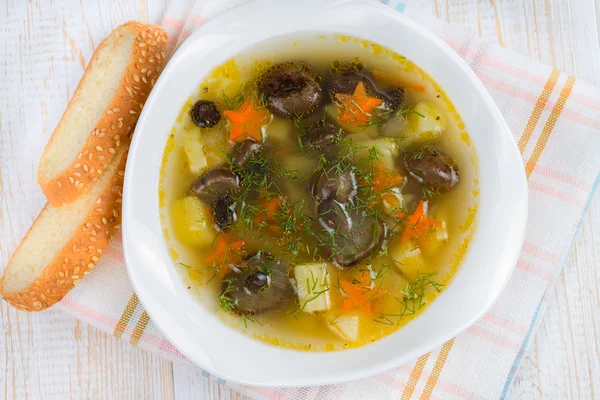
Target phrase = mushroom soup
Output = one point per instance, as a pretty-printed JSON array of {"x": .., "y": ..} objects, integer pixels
[{"x": 318, "y": 193}]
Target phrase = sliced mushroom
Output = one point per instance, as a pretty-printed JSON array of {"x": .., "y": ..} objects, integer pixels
[
  {"x": 347, "y": 79},
  {"x": 331, "y": 183},
  {"x": 322, "y": 135},
  {"x": 291, "y": 89},
  {"x": 332, "y": 216},
  {"x": 353, "y": 236},
  {"x": 205, "y": 114},
  {"x": 262, "y": 285},
  {"x": 245, "y": 151},
  {"x": 215, "y": 181},
  {"x": 432, "y": 168},
  {"x": 218, "y": 187},
  {"x": 224, "y": 211}
]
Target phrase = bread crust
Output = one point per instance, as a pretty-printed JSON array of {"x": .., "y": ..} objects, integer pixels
[
  {"x": 79, "y": 254},
  {"x": 115, "y": 127}
]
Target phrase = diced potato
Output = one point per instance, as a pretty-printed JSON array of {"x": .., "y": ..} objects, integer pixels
[
  {"x": 425, "y": 121},
  {"x": 215, "y": 147},
  {"x": 282, "y": 131},
  {"x": 386, "y": 151},
  {"x": 407, "y": 258},
  {"x": 435, "y": 240},
  {"x": 346, "y": 324},
  {"x": 397, "y": 126},
  {"x": 192, "y": 222},
  {"x": 299, "y": 165},
  {"x": 312, "y": 281},
  {"x": 192, "y": 146}
]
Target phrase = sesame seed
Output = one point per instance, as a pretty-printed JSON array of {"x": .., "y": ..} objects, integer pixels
[
  {"x": 58, "y": 184},
  {"x": 115, "y": 213},
  {"x": 132, "y": 112},
  {"x": 143, "y": 70},
  {"x": 85, "y": 168},
  {"x": 76, "y": 270},
  {"x": 93, "y": 232},
  {"x": 61, "y": 274},
  {"x": 109, "y": 112},
  {"x": 111, "y": 150},
  {"x": 71, "y": 180},
  {"x": 98, "y": 210},
  {"x": 94, "y": 258},
  {"x": 77, "y": 174},
  {"x": 102, "y": 134},
  {"x": 141, "y": 44},
  {"x": 144, "y": 79},
  {"x": 77, "y": 165},
  {"x": 99, "y": 251},
  {"x": 90, "y": 156},
  {"x": 151, "y": 60},
  {"x": 98, "y": 148},
  {"x": 75, "y": 277},
  {"x": 93, "y": 239},
  {"x": 79, "y": 156},
  {"x": 136, "y": 77}
]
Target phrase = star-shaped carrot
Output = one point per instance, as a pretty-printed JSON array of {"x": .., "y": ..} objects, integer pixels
[
  {"x": 418, "y": 225},
  {"x": 246, "y": 121},
  {"x": 360, "y": 294},
  {"x": 357, "y": 107}
]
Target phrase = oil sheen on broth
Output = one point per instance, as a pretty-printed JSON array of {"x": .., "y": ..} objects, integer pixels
[{"x": 318, "y": 192}]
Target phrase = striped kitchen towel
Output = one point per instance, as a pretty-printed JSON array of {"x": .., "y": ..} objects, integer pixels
[{"x": 555, "y": 119}]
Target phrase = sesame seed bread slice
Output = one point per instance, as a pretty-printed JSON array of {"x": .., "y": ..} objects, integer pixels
[
  {"x": 64, "y": 243},
  {"x": 103, "y": 111}
]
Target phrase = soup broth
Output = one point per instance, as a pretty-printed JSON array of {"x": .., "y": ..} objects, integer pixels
[{"x": 318, "y": 192}]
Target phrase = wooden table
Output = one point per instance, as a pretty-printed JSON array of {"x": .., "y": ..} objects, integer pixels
[{"x": 44, "y": 48}]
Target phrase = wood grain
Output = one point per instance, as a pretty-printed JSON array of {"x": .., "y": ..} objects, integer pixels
[{"x": 45, "y": 46}]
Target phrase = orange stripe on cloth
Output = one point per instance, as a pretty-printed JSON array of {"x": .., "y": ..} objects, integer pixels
[
  {"x": 126, "y": 316},
  {"x": 415, "y": 374},
  {"x": 437, "y": 370},
  {"x": 537, "y": 110},
  {"x": 141, "y": 325},
  {"x": 549, "y": 127}
]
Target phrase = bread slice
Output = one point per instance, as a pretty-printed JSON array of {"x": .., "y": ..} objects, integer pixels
[
  {"x": 103, "y": 111},
  {"x": 64, "y": 243}
]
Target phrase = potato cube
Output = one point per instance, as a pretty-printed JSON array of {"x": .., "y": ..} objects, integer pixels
[
  {"x": 407, "y": 258},
  {"x": 192, "y": 222},
  {"x": 384, "y": 151},
  {"x": 313, "y": 281},
  {"x": 192, "y": 146},
  {"x": 425, "y": 121},
  {"x": 346, "y": 324}
]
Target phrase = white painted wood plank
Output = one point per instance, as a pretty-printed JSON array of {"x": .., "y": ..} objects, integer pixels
[{"x": 45, "y": 46}]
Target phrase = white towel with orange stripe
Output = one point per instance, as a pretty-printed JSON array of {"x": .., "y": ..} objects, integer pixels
[{"x": 556, "y": 122}]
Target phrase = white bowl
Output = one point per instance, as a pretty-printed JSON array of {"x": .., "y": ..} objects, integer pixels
[{"x": 198, "y": 333}]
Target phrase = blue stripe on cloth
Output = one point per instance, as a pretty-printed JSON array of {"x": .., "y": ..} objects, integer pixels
[
  {"x": 400, "y": 7},
  {"x": 385, "y": 1},
  {"x": 518, "y": 358}
]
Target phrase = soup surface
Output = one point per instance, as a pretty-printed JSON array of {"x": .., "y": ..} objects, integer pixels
[{"x": 318, "y": 192}]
